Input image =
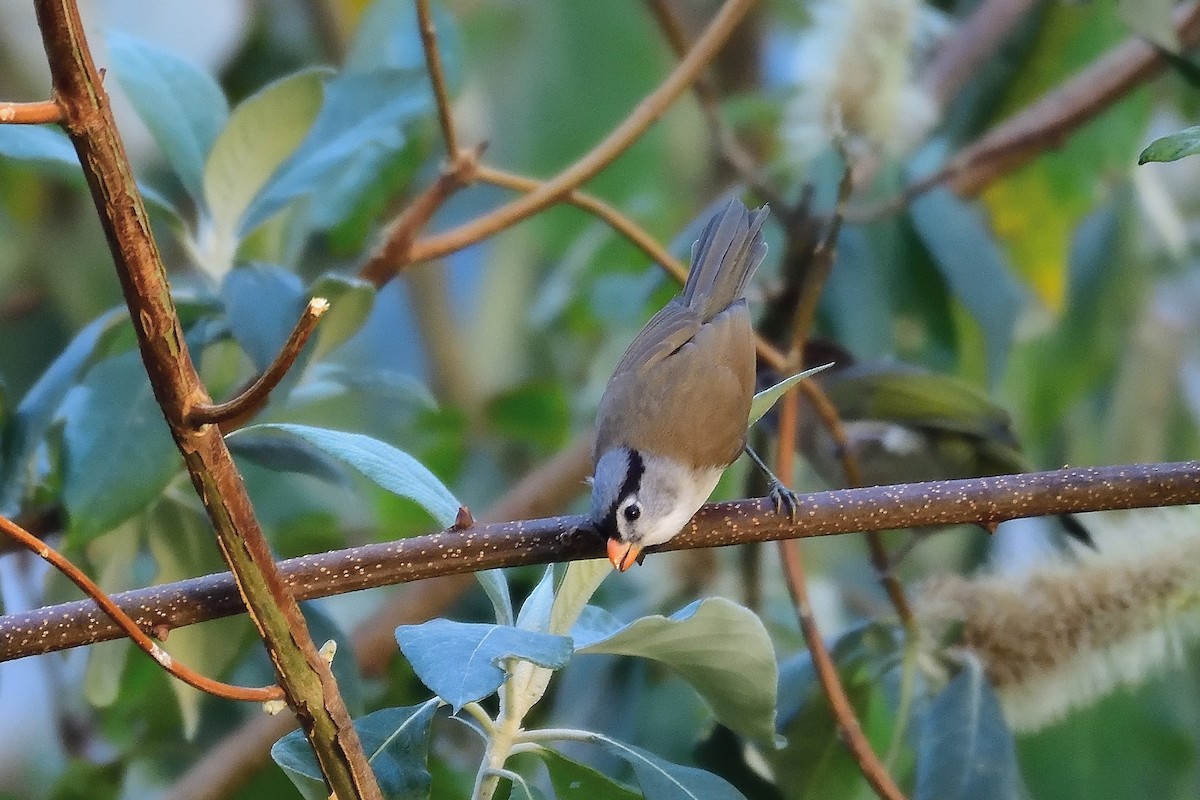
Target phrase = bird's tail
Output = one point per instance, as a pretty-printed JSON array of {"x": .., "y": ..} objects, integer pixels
[{"x": 724, "y": 258}]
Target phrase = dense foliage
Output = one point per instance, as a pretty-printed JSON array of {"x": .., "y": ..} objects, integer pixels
[{"x": 1062, "y": 294}]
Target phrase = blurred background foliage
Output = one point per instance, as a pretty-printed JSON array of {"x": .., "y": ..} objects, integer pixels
[{"x": 1068, "y": 293}]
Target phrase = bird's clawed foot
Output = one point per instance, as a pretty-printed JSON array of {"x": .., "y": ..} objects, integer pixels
[{"x": 787, "y": 503}]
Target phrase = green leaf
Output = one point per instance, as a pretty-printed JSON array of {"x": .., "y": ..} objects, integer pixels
[
  {"x": 119, "y": 454},
  {"x": 397, "y": 744},
  {"x": 463, "y": 662},
  {"x": 33, "y": 414},
  {"x": 387, "y": 38},
  {"x": 1174, "y": 147},
  {"x": 662, "y": 780},
  {"x": 574, "y": 781},
  {"x": 262, "y": 132},
  {"x": 974, "y": 267},
  {"x": 262, "y": 304},
  {"x": 815, "y": 763},
  {"x": 380, "y": 463},
  {"x": 966, "y": 749},
  {"x": 361, "y": 126},
  {"x": 765, "y": 400},
  {"x": 720, "y": 648},
  {"x": 537, "y": 413},
  {"x": 350, "y": 302},
  {"x": 181, "y": 104},
  {"x": 496, "y": 587}
]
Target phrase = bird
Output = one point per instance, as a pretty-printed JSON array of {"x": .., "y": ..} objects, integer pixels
[
  {"x": 905, "y": 424},
  {"x": 674, "y": 413}
]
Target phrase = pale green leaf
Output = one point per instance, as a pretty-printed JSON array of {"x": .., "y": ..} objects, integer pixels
[
  {"x": 1173, "y": 147},
  {"x": 262, "y": 132},
  {"x": 720, "y": 648},
  {"x": 765, "y": 400}
]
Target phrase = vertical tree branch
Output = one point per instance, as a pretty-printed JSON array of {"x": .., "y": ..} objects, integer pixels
[
  {"x": 437, "y": 77},
  {"x": 304, "y": 676}
]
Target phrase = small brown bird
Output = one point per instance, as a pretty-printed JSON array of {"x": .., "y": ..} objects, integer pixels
[{"x": 674, "y": 413}]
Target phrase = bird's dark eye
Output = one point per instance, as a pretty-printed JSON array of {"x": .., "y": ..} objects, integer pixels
[{"x": 632, "y": 512}]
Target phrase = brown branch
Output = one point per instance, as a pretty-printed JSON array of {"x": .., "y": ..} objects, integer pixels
[
  {"x": 973, "y": 43},
  {"x": 119, "y": 618},
  {"x": 554, "y": 539},
  {"x": 227, "y": 766},
  {"x": 793, "y": 569},
  {"x": 393, "y": 255},
  {"x": 848, "y": 726},
  {"x": 820, "y": 263},
  {"x": 594, "y": 205},
  {"x": 1047, "y": 123},
  {"x": 647, "y": 112},
  {"x": 301, "y": 671},
  {"x": 39, "y": 113},
  {"x": 437, "y": 78},
  {"x": 256, "y": 394}
]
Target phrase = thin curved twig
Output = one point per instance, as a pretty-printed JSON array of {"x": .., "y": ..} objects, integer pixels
[
  {"x": 437, "y": 78},
  {"x": 129, "y": 627},
  {"x": 38, "y": 113},
  {"x": 645, "y": 114},
  {"x": 255, "y": 395}
]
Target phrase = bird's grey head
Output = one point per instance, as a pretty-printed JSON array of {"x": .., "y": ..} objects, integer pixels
[{"x": 641, "y": 499}]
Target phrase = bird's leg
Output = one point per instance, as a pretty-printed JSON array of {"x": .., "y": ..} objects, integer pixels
[{"x": 784, "y": 498}]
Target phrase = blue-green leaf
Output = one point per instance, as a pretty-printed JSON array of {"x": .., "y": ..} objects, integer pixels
[
  {"x": 536, "y": 610},
  {"x": 361, "y": 125},
  {"x": 662, "y": 780},
  {"x": 262, "y": 132},
  {"x": 966, "y": 749},
  {"x": 575, "y": 781},
  {"x": 180, "y": 103},
  {"x": 463, "y": 662},
  {"x": 495, "y": 585},
  {"x": 262, "y": 304},
  {"x": 767, "y": 398},
  {"x": 386, "y": 466},
  {"x": 973, "y": 265},
  {"x": 119, "y": 454},
  {"x": 1174, "y": 147},
  {"x": 396, "y": 741},
  {"x": 286, "y": 454},
  {"x": 44, "y": 146},
  {"x": 720, "y": 648},
  {"x": 35, "y": 411}
]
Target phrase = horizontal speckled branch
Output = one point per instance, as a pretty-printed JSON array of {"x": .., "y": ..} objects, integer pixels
[{"x": 159, "y": 609}]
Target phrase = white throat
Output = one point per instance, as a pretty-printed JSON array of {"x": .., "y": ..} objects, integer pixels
[{"x": 687, "y": 488}]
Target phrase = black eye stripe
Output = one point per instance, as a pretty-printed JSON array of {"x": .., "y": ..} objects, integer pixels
[
  {"x": 633, "y": 481},
  {"x": 633, "y": 477}
]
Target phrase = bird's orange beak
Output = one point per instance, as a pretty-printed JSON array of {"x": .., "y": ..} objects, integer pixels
[{"x": 623, "y": 556}]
